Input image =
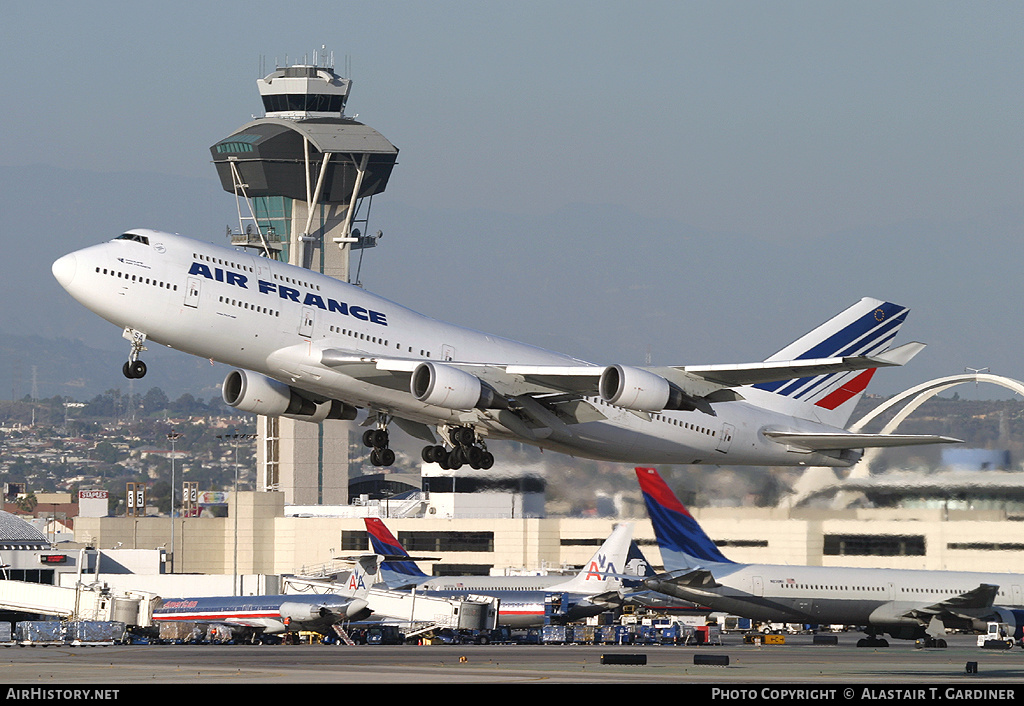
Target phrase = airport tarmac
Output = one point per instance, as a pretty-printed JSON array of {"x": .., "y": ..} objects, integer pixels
[{"x": 799, "y": 661}]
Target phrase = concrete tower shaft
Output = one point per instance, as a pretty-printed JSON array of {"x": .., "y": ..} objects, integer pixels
[{"x": 301, "y": 174}]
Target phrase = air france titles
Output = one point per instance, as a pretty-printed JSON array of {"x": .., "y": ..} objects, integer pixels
[{"x": 290, "y": 294}]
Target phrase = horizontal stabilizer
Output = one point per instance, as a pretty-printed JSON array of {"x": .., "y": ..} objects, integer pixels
[{"x": 825, "y": 442}]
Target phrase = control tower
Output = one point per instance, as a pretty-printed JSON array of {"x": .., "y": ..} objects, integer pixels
[{"x": 303, "y": 177}]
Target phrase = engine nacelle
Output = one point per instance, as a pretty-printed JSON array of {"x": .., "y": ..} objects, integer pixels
[
  {"x": 258, "y": 394},
  {"x": 300, "y": 612},
  {"x": 352, "y": 609},
  {"x": 641, "y": 390},
  {"x": 449, "y": 387}
]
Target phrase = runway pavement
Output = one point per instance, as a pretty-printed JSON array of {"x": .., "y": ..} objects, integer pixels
[{"x": 799, "y": 661}]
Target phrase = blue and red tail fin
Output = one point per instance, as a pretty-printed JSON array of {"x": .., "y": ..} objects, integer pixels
[
  {"x": 866, "y": 328},
  {"x": 393, "y": 573},
  {"x": 683, "y": 543}
]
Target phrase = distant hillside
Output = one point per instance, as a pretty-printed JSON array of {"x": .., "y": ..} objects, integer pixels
[{"x": 73, "y": 369}]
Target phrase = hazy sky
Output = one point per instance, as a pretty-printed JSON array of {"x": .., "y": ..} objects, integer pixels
[
  {"x": 820, "y": 129},
  {"x": 783, "y": 120}
]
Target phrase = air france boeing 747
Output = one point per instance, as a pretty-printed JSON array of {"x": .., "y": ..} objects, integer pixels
[{"x": 311, "y": 347}]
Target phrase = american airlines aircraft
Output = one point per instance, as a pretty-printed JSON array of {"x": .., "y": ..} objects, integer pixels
[
  {"x": 525, "y": 601},
  {"x": 255, "y": 616},
  {"x": 311, "y": 347},
  {"x": 905, "y": 603}
]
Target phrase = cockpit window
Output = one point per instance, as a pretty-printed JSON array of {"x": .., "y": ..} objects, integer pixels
[{"x": 134, "y": 236}]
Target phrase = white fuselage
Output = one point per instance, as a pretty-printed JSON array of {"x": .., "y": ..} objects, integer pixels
[
  {"x": 880, "y": 598},
  {"x": 276, "y": 319}
]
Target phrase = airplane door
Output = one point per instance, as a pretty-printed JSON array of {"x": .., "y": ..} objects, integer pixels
[
  {"x": 306, "y": 323},
  {"x": 192, "y": 289},
  {"x": 447, "y": 352},
  {"x": 1015, "y": 592},
  {"x": 725, "y": 437},
  {"x": 758, "y": 585}
]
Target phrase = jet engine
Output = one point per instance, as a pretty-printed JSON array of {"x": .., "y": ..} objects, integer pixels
[
  {"x": 353, "y": 609},
  {"x": 251, "y": 392},
  {"x": 641, "y": 390},
  {"x": 447, "y": 386}
]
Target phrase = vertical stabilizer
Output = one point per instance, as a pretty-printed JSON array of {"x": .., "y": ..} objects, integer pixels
[
  {"x": 393, "y": 573},
  {"x": 866, "y": 328},
  {"x": 683, "y": 543},
  {"x": 603, "y": 572}
]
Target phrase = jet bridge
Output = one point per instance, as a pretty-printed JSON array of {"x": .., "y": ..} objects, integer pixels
[{"x": 81, "y": 602}]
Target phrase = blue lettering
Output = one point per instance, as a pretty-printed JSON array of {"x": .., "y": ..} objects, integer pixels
[
  {"x": 378, "y": 318},
  {"x": 266, "y": 287},
  {"x": 218, "y": 274},
  {"x": 237, "y": 279},
  {"x": 358, "y": 312},
  {"x": 314, "y": 300},
  {"x": 340, "y": 307},
  {"x": 199, "y": 268},
  {"x": 288, "y": 293}
]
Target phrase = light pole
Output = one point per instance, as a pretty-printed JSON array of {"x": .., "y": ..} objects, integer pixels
[
  {"x": 234, "y": 438},
  {"x": 173, "y": 436}
]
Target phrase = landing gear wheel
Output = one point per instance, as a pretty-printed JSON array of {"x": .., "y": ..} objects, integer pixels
[
  {"x": 376, "y": 438},
  {"x": 433, "y": 454},
  {"x": 463, "y": 436},
  {"x": 473, "y": 456},
  {"x": 134, "y": 370}
]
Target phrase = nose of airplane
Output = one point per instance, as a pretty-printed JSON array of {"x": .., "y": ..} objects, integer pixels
[{"x": 64, "y": 269}]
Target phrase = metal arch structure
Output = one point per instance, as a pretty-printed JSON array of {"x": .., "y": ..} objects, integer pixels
[{"x": 918, "y": 395}]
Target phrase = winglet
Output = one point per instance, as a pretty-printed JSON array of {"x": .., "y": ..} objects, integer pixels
[{"x": 901, "y": 355}]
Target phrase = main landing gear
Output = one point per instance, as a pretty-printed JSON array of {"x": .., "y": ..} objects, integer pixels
[
  {"x": 466, "y": 449},
  {"x": 377, "y": 440},
  {"x": 134, "y": 368},
  {"x": 872, "y": 641}
]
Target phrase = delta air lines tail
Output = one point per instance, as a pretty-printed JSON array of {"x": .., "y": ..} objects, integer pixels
[
  {"x": 396, "y": 574},
  {"x": 905, "y": 603}
]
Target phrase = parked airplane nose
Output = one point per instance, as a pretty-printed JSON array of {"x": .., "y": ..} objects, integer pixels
[{"x": 64, "y": 269}]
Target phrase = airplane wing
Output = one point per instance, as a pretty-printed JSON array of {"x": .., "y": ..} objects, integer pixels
[
  {"x": 754, "y": 373},
  {"x": 824, "y": 442},
  {"x": 965, "y": 605},
  {"x": 699, "y": 381},
  {"x": 674, "y": 582}
]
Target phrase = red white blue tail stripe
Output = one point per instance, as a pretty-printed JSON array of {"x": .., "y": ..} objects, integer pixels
[
  {"x": 394, "y": 573},
  {"x": 866, "y": 328},
  {"x": 683, "y": 543}
]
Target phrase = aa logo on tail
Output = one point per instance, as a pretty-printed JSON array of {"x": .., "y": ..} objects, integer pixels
[{"x": 600, "y": 569}]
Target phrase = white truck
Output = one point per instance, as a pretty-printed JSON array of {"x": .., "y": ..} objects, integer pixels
[{"x": 999, "y": 636}]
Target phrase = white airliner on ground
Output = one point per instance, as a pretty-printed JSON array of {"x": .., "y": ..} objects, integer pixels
[
  {"x": 525, "y": 601},
  {"x": 904, "y": 603},
  {"x": 311, "y": 347}
]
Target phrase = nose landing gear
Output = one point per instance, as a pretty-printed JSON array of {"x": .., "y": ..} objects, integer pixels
[{"x": 134, "y": 368}]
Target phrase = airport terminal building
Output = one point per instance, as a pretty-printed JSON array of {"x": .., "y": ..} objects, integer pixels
[{"x": 263, "y": 536}]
